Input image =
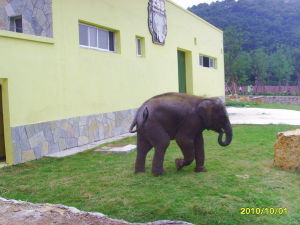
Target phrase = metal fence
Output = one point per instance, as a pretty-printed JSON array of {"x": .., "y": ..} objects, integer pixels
[{"x": 264, "y": 89}]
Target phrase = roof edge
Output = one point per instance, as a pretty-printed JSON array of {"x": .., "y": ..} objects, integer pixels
[{"x": 194, "y": 15}]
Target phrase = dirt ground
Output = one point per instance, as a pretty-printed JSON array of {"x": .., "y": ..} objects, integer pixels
[{"x": 23, "y": 213}]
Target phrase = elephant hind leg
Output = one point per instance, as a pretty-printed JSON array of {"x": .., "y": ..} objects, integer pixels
[
  {"x": 160, "y": 140},
  {"x": 187, "y": 148},
  {"x": 143, "y": 147}
]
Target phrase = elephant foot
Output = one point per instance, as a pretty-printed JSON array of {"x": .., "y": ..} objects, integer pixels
[
  {"x": 200, "y": 169},
  {"x": 158, "y": 172},
  {"x": 179, "y": 163}
]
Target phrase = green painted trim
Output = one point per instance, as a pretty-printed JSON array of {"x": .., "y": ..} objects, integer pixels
[
  {"x": 6, "y": 119},
  {"x": 181, "y": 71},
  {"x": 26, "y": 37}
]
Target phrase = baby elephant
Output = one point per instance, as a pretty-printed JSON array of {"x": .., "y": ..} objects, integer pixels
[{"x": 181, "y": 117}]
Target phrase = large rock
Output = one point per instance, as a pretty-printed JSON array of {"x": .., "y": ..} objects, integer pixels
[
  {"x": 287, "y": 150},
  {"x": 14, "y": 212}
]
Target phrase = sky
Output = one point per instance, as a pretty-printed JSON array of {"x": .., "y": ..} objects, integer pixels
[{"x": 189, "y": 3}]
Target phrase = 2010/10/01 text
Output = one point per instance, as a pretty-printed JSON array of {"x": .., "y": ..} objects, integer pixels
[{"x": 263, "y": 211}]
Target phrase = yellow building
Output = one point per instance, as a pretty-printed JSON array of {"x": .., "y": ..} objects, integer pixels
[{"x": 74, "y": 71}]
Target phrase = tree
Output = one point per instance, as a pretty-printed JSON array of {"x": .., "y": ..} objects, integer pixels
[
  {"x": 281, "y": 65},
  {"x": 259, "y": 66},
  {"x": 242, "y": 68},
  {"x": 296, "y": 64},
  {"x": 233, "y": 44},
  {"x": 267, "y": 30}
]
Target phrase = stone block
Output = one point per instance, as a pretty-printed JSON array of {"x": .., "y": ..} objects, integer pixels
[
  {"x": 10, "y": 10},
  {"x": 40, "y": 4},
  {"x": 53, "y": 125},
  {"x": 38, "y": 151},
  {"x": 28, "y": 156},
  {"x": 37, "y": 140},
  {"x": 83, "y": 121},
  {"x": 110, "y": 116},
  {"x": 37, "y": 28},
  {"x": 17, "y": 155},
  {"x": 47, "y": 8},
  {"x": 29, "y": 5},
  {"x": 53, "y": 148},
  {"x": 61, "y": 133},
  {"x": 83, "y": 140},
  {"x": 101, "y": 131},
  {"x": 83, "y": 131},
  {"x": 31, "y": 130},
  {"x": 62, "y": 144},
  {"x": 76, "y": 130},
  {"x": 71, "y": 142},
  {"x": 48, "y": 133},
  {"x": 17, "y": 4},
  {"x": 45, "y": 148},
  {"x": 287, "y": 150},
  {"x": 27, "y": 14}
]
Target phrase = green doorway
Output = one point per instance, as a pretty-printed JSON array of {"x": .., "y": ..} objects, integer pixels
[
  {"x": 181, "y": 71},
  {"x": 2, "y": 143}
]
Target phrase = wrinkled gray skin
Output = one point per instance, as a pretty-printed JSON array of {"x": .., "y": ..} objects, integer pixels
[{"x": 181, "y": 117}]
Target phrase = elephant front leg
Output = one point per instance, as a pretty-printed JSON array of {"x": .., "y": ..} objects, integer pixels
[
  {"x": 199, "y": 154},
  {"x": 187, "y": 148}
]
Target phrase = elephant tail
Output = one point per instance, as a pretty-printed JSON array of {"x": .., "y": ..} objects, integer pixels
[{"x": 135, "y": 123}]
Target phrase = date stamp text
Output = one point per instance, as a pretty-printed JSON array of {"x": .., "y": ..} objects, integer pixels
[{"x": 263, "y": 211}]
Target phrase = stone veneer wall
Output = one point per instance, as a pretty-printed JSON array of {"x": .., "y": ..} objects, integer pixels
[
  {"x": 36, "y": 15},
  {"x": 36, "y": 140},
  {"x": 290, "y": 100}
]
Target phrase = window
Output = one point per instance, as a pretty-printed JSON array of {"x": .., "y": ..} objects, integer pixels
[
  {"x": 140, "y": 46},
  {"x": 96, "y": 38},
  {"x": 16, "y": 24},
  {"x": 206, "y": 61}
]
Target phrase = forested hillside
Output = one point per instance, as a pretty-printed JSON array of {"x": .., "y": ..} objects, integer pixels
[{"x": 261, "y": 39}]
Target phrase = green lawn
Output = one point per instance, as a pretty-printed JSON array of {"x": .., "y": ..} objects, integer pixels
[
  {"x": 105, "y": 183},
  {"x": 261, "y": 105}
]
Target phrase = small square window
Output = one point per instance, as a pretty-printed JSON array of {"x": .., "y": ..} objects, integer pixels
[
  {"x": 140, "y": 46},
  {"x": 16, "y": 24}
]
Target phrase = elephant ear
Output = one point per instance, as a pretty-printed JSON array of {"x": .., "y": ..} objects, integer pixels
[{"x": 204, "y": 110}]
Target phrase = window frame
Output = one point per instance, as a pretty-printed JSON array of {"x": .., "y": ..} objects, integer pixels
[
  {"x": 13, "y": 25},
  {"x": 97, "y": 33},
  {"x": 142, "y": 46},
  {"x": 212, "y": 62},
  {"x": 138, "y": 42}
]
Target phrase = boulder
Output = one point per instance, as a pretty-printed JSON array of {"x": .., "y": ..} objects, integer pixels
[
  {"x": 26, "y": 213},
  {"x": 287, "y": 150}
]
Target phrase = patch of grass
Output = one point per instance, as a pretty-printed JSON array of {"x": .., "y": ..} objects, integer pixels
[
  {"x": 106, "y": 183},
  {"x": 261, "y": 105}
]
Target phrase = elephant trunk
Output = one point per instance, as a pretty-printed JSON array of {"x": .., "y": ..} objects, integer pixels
[{"x": 228, "y": 133}]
